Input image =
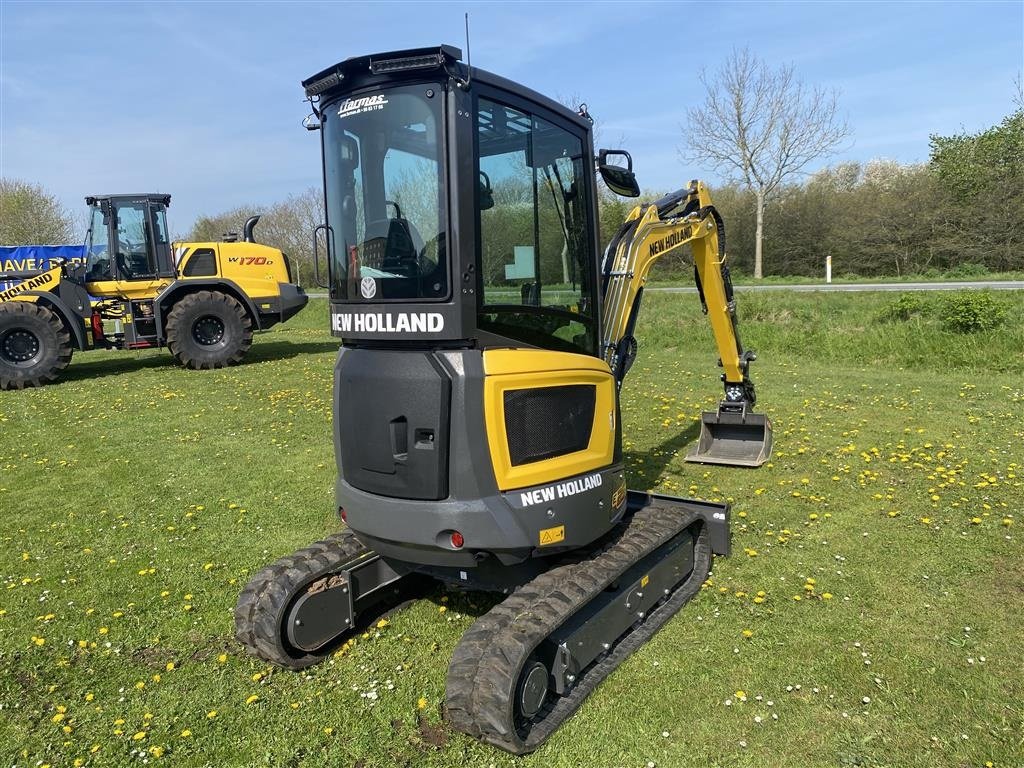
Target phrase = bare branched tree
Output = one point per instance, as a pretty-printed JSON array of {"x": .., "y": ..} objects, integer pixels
[{"x": 761, "y": 126}]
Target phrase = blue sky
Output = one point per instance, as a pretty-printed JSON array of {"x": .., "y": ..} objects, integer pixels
[{"x": 202, "y": 100}]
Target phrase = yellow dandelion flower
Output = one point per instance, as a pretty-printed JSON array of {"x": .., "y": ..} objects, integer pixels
[
  {"x": 826, "y": 595},
  {"x": 156, "y": 750},
  {"x": 747, "y": 633},
  {"x": 252, "y": 699},
  {"x": 975, "y": 521},
  {"x": 170, "y": 666},
  {"x": 382, "y": 623},
  {"x": 222, "y": 658},
  {"x": 211, "y": 714},
  {"x": 421, "y": 704},
  {"x": 58, "y": 717},
  {"x": 139, "y": 736},
  {"x": 186, "y": 733}
]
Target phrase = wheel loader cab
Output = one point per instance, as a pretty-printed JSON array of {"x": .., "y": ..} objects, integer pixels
[
  {"x": 127, "y": 241},
  {"x": 462, "y": 252}
]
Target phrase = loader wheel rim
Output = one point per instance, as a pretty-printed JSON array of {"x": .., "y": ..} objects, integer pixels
[
  {"x": 533, "y": 689},
  {"x": 208, "y": 330},
  {"x": 20, "y": 347}
]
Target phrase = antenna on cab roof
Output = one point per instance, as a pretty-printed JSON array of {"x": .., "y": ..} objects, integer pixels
[{"x": 469, "y": 59}]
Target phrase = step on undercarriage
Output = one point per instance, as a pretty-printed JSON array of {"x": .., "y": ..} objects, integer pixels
[{"x": 526, "y": 665}]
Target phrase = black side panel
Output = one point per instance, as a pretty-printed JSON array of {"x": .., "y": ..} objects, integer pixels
[{"x": 393, "y": 418}]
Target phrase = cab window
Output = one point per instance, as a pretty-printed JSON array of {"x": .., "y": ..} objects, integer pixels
[
  {"x": 134, "y": 254},
  {"x": 532, "y": 208}
]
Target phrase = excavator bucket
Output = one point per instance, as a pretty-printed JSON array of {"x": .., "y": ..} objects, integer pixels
[{"x": 733, "y": 436}]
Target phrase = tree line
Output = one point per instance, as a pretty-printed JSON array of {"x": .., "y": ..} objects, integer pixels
[{"x": 961, "y": 212}]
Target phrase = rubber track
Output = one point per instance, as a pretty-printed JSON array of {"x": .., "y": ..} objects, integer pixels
[
  {"x": 486, "y": 665},
  {"x": 260, "y": 610}
]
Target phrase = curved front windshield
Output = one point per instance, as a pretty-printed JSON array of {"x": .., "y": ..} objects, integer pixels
[
  {"x": 97, "y": 255},
  {"x": 384, "y": 172}
]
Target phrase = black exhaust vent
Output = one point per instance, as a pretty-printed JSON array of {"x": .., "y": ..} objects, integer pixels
[{"x": 546, "y": 422}]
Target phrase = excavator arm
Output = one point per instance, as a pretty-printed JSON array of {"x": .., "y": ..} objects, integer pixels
[{"x": 733, "y": 435}]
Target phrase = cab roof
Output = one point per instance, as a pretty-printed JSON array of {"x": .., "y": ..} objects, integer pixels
[
  {"x": 380, "y": 68},
  {"x": 156, "y": 197}
]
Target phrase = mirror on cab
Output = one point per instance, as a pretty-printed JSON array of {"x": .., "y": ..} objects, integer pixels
[
  {"x": 486, "y": 194},
  {"x": 620, "y": 180}
]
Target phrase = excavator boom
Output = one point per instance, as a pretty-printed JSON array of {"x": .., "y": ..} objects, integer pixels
[{"x": 732, "y": 435}]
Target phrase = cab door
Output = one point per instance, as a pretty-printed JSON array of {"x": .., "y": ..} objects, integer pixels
[{"x": 141, "y": 251}]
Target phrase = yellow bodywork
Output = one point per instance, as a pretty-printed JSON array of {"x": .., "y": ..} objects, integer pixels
[
  {"x": 46, "y": 281},
  {"x": 255, "y": 268},
  {"x": 508, "y": 369}
]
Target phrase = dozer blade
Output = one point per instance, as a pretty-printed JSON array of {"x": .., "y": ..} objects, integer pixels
[{"x": 733, "y": 436}]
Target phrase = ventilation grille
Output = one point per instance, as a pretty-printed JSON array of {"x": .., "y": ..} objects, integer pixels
[{"x": 548, "y": 421}]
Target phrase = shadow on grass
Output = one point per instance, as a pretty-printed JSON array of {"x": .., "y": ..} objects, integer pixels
[
  {"x": 645, "y": 468},
  {"x": 282, "y": 350},
  {"x": 84, "y": 367}
]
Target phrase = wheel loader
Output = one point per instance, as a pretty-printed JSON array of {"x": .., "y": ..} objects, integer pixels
[
  {"x": 137, "y": 289},
  {"x": 477, "y": 421}
]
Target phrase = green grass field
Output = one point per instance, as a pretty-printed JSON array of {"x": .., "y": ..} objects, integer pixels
[{"x": 870, "y": 614}]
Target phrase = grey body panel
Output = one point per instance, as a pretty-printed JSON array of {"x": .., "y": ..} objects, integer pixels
[
  {"x": 503, "y": 525},
  {"x": 277, "y": 309}
]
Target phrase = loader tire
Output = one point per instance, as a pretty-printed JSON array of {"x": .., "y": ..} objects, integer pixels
[
  {"x": 34, "y": 345},
  {"x": 208, "y": 329}
]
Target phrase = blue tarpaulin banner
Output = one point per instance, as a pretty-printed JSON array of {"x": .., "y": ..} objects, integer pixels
[{"x": 34, "y": 258}]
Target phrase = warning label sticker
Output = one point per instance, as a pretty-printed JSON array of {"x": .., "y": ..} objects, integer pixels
[{"x": 552, "y": 535}]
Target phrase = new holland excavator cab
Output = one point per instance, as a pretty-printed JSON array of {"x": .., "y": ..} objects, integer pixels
[
  {"x": 476, "y": 396},
  {"x": 136, "y": 290}
]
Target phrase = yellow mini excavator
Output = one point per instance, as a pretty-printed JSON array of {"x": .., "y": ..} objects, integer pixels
[
  {"x": 476, "y": 395},
  {"x": 137, "y": 290}
]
